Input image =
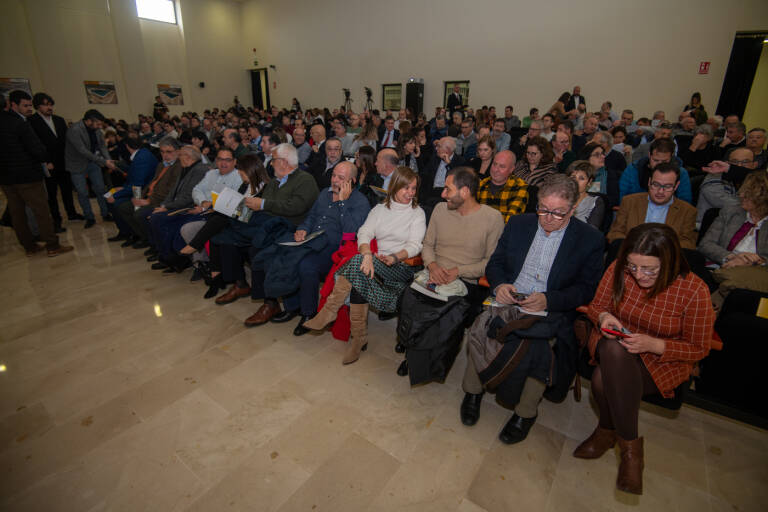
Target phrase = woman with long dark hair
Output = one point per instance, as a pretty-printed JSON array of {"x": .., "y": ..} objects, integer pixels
[{"x": 654, "y": 319}]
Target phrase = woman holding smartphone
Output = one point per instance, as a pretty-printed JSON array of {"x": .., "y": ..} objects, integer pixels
[
  {"x": 649, "y": 291},
  {"x": 398, "y": 225}
]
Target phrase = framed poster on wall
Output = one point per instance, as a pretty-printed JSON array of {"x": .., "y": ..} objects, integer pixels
[
  {"x": 463, "y": 91},
  {"x": 101, "y": 93},
  {"x": 14, "y": 84},
  {"x": 171, "y": 94},
  {"x": 392, "y": 96}
]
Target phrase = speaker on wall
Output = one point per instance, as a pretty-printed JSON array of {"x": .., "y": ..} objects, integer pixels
[
  {"x": 201, "y": 85},
  {"x": 414, "y": 97}
]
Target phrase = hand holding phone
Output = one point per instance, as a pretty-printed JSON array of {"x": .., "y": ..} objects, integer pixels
[{"x": 623, "y": 333}]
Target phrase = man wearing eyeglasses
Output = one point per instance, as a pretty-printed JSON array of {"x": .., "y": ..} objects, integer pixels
[
  {"x": 635, "y": 177},
  {"x": 555, "y": 262},
  {"x": 657, "y": 205}
]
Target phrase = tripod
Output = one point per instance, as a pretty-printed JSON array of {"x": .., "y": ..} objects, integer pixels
[
  {"x": 369, "y": 104},
  {"x": 347, "y": 103}
]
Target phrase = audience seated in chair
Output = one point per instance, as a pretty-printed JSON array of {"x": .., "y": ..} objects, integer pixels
[
  {"x": 502, "y": 190},
  {"x": 666, "y": 311},
  {"x": 737, "y": 241},
  {"x": 590, "y": 207},
  {"x": 461, "y": 236},
  {"x": 398, "y": 225},
  {"x": 635, "y": 177},
  {"x": 555, "y": 261}
]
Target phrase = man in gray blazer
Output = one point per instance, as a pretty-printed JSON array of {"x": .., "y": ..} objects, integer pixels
[{"x": 85, "y": 154}]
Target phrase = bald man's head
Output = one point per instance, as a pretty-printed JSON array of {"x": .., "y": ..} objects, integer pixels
[
  {"x": 502, "y": 166},
  {"x": 386, "y": 162},
  {"x": 743, "y": 157}
]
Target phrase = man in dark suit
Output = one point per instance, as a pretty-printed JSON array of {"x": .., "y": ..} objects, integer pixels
[
  {"x": 140, "y": 173},
  {"x": 52, "y": 132},
  {"x": 556, "y": 262},
  {"x": 433, "y": 177},
  {"x": 322, "y": 170},
  {"x": 21, "y": 176},
  {"x": 389, "y": 136},
  {"x": 455, "y": 101},
  {"x": 576, "y": 99}
]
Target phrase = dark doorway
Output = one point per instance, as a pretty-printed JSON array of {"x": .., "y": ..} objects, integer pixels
[
  {"x": 260, "y": 88},
  {"x": 745, "y": 56}
]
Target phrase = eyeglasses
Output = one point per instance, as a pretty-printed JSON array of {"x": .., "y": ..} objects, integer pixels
[
  {"x": 659, "y": 186},
  {"x": 225, "y": 159},
  {"x": 597, "y": 154},
  {"x": 532, "y": 153},
  {"x": 646, "y": 271},
  {"x": 740, "y": 162},
  {"x": 555, "y": 215}
]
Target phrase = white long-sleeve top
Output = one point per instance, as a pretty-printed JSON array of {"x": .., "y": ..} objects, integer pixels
[{"x": 397, "y": 227}]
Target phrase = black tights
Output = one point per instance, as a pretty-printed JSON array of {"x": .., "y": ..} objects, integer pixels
[{"x": 619, "y": 382}]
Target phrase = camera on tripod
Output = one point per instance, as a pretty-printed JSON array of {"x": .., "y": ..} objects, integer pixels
[
  {"x": 346, "y": 93},
  {"x": 368, "y": 93}
]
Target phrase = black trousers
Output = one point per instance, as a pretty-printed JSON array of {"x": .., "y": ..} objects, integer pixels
[{"x": 60, "y": 180}]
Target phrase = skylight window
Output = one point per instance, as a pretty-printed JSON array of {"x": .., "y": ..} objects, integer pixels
[{"x": 157, "y": 10}]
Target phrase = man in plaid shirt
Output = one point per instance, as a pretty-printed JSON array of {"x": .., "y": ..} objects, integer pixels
[{"x": 501, "y": 190}]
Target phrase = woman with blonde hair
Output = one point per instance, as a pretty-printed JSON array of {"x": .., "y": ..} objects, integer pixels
[{"x": 398, "y": 224}]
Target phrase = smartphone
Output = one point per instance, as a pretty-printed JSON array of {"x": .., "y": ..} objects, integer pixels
[
  {"x": 519, "y": 296},
  {"x": 623, "y": 333}
]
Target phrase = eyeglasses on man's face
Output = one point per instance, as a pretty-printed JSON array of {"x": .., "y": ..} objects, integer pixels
[
  {"x": 541, "y": 212},
  {"x": 662, "y": 186}
]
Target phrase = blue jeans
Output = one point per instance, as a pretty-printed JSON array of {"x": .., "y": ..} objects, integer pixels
[{"x": 93, "y": 172}]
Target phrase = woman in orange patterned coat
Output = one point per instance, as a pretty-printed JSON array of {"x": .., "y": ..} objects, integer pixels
[{"x": 650, "y": 292}]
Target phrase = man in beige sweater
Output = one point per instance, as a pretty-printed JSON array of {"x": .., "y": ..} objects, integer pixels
[{"x": 461, "y": 237}]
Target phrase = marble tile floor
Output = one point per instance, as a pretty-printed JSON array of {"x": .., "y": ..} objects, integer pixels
[{"x": 123, "y": 389}]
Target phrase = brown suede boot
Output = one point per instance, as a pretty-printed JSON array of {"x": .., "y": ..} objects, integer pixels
[
  {"x": 601, "y": 440},
  {"x": 358, "y": 330},
  {"x": 630, "y": 478},
  {"x": 332, "y": 304}
]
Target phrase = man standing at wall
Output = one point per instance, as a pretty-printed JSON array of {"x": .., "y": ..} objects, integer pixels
[{"x": 21, "y": 177}]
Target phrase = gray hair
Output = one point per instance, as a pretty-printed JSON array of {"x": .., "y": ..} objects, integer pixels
[
  {"x": 287, "y": 152},
  {"x": 559, "y": 185},
  {"x": 605, "y": 137},
  {"x": 450, "y": 141},
  {"x": 169, "y": 141},
  {"x": 537, "y": 123},
  {"x": 190, "y": 151},
  {"x": 705, "y": 129}
]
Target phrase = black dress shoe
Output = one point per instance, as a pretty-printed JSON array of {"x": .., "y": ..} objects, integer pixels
[
  {"x": 152, "y": 257},
  {"x": 108, "y": 218},
  {"x": 75, "y": 216},
  {"x": 400, "y": 348},
  {"x": 117, "y": 238},
  {"x": 197, "y": 275},
  {"x": 402, "y": 370},
  {"x": 150, "y": 251},
  {"x": 140, "y": 244},
  {"x": 169, "y": 270},
  {"x": 516, "y": 429},
  {"x": 383, "y": 316},
  {"x": 216, "y": 284},
  {"x": 470, "y": 408},
  {"x": 159, "y": 266},
  {"x": 300, "y": 330},
  {"x": 128, "y": 241},
  {"x": 284, "y": 316},
  {"x": 89, "y": 223}
]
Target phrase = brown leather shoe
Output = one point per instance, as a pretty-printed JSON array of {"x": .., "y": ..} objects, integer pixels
[
  {"x": 630, "y": 478},
  {"x": 597, "y": 444},
  {"x": 262, "y": 316},
  {"x": 59, "y": 250},
  {"x": 232, "y": 295}
]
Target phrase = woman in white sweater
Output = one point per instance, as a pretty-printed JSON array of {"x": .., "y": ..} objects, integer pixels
[{"x": 398, "y": 225}]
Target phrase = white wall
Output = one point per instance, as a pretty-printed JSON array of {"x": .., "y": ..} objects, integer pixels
[
  {"x": 641, "y": 55},
  {"x": 58, "y": 44}
]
